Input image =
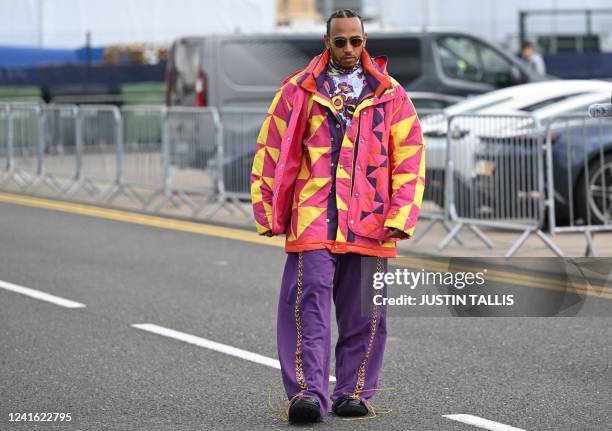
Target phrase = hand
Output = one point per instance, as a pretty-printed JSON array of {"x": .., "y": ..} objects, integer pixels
[
  {"x": 397, "y": 233},
  {"x": 268, "y": 233}
]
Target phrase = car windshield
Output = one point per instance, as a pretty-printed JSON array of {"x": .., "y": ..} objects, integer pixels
[
  {"x": 575, "y": 105},
  {"x": 529, "y": 97},
  {"x": 479, "y": 102},
  {"x": 544, "y": 103}
]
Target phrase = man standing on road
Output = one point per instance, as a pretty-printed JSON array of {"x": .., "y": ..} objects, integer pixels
[{"x": 339, "y": 170}]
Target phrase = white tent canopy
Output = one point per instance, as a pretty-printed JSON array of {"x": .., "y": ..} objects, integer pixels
[{"x": 65, "y": 23}]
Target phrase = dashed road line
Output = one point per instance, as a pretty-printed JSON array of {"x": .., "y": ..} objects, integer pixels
[
  {"x": 482, "y": 423},
  {"x": 33, "y": 293},
  {"x": 212, "y": 345}
]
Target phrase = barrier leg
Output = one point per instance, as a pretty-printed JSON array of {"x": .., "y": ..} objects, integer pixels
[
  {"x": 448, "y": 229},
  {"x": 550, "y": 243},
  {"x": 213, "y": 210},
  {"x": 425, "y": 231},
  {"x": 108, "y": 193},
  {"x": 34, "y": 185},
  {"x": 519, "y": 242},
  {"x": 151, "y": 198},
  {"x": 590, "y": 251},
  {"x": 238, "y": 205},
  {"x": 454, "y": 231},
  {"x": 480, "y": 234}
]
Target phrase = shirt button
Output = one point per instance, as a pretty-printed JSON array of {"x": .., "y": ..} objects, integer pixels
[
  {"x": 331, "y": 164},
  {"x": 356, "y": 195},
  {"x": 337, "y": 126},
  {"x": 332, "y": 139},
  {"x": 352, "y": 221},
  {"x": 341, "y": 167},
  {"x": 364, "y": 114},
  {"x": 327, "y": 220},
  {"x": 358, "y": 168}
]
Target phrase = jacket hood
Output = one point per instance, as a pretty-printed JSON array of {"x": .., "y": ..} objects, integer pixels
[{"x": 375, "y": 69}]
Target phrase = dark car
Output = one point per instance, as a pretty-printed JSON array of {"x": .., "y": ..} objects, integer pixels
[{"x": 508, "y": 181}]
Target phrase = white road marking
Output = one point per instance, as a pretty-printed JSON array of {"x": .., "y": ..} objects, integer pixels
[
  {"x": 213, "y": 345},
  {"x": 482, "y": 423},
  {"x": 40, "y": 295}
]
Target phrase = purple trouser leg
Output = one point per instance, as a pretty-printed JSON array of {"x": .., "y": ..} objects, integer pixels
[
  {"x": 304, "y": 326},
  {"x": 362, "y": 332}
]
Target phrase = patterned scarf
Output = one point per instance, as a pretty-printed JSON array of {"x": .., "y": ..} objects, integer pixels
[{"x": 345, "y": 87}]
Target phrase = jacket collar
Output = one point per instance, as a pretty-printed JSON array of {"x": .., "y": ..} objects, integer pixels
[{"x": 375, "y": 70}]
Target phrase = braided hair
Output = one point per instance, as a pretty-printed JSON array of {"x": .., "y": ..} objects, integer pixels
[{"x": 343, "y": 13}]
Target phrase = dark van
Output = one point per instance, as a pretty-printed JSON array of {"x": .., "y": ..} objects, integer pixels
[
  {"x": 239, "y": 74},
  {"x": 245, "y": 70}
]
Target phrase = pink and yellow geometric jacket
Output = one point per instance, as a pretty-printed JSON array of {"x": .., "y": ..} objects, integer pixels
[{"x": 329, "y": 188}]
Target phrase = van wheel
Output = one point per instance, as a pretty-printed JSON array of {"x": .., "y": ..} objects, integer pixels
[{"x": 596, "y": 196}]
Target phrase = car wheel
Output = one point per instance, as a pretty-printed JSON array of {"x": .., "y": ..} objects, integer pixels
[{"x": 598, "y": 200}]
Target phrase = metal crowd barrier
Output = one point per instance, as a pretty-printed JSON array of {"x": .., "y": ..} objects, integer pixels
[
  {"x": 579, "y": 176},
  {"x": 150, "y": 155},
  {"x": 193, "y": 138},
  {"x": 59, "y": 143},
  {"x": 142, "y": 144},
  {"x": 241, "y": 127},
  {"x": 24, "y": 131},
  {"x": 495, "y": 177},
  {"x": 483, "y": 171},
  {"x": 4, "y": 141},
  {"x": 433, "y": 207},
  {"x": 433, "y": 198},
  {"x": 99, "y": 153}
]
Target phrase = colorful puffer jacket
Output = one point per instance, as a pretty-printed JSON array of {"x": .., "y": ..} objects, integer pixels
[{"x": 343, "y": 190}]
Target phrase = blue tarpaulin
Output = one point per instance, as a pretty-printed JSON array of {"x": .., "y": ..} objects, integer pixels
[
  {"x": 79, "y": 73},
  {"x": 579, "y": 66},
  {"x": 21, "y": 57}
]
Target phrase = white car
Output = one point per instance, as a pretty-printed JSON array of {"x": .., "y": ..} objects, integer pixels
[{"x": 542, "y": 100}]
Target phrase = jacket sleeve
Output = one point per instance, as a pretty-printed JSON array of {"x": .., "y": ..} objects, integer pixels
[
  {"x": 407, "y": 166},
  {"x": 267, "y": 152}
]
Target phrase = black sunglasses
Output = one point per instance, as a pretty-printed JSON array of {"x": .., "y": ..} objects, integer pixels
[{"x": 340, "y": 42}]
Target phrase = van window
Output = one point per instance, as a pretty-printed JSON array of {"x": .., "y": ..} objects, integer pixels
[
  {"x": 459, "y": 58},
  {"x": 467, "y": 59},
  {"x": 267, "y": 62},
  {"x": 544, "y": 103},
  {"x": 497, "y": 69},
  {"x": 270, "y": 61},
  {"x": 404, "y": 56}
]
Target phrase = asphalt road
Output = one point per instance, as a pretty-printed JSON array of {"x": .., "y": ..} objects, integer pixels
[{"x": 528, "y": 373}]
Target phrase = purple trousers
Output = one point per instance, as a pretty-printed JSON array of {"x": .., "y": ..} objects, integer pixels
[{"x": 310, "y": 280}]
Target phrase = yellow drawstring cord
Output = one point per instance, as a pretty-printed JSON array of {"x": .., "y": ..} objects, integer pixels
[
  {"x": 372, "y": 409},
  {"x": 282, "y": 411}
]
